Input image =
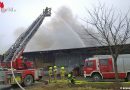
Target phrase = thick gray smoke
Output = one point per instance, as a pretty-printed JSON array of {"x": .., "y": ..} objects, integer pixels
[{"x": 59, "y": 33}]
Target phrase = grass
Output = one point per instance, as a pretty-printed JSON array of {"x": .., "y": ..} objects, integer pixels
[
  {"x": 80, "y": 85},
  {"x": 108, "y": 85},
  {"x": 63, "y": 86}
]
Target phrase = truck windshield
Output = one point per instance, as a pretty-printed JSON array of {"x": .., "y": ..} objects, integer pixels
[{"x": 89, "y": 64}]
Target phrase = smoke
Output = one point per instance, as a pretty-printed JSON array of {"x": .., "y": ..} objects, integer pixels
[
  {"x": 4, "y": 42},
  {"x": 1, "y": 44},
  {"x": 40, "y": 40},
  {"x": 59, "y": 33}
]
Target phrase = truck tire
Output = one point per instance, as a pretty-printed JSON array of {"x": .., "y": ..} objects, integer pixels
[
  {"x": 28, "y": 80},
  {"x": 96, "y": 77},
  {"x": 88, "y": 78}
]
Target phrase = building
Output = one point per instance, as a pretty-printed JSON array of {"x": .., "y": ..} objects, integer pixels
[{"x": 70, "y": 58}]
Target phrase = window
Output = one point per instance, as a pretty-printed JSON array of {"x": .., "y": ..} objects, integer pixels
[
  {"x": 103, "y": 61},
  {"x": 89, "y": 64}
]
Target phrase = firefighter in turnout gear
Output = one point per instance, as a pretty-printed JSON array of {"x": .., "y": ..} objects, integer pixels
[
  {"x": 55, "y": 73},
  {"x": 71, "y": 78},
  {"x": 62, "y": 73},
  {"x": 50, "y": 74}
]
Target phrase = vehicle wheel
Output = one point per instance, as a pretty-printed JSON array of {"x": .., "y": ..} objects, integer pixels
[
  {"x": 88, "y": 78},
  {"x": 128, "y": 78},
  {"x": 28, "y": 80},
  {"x": 96, "y": 77}
]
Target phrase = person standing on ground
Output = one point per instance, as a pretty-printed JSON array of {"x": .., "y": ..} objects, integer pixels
[
  {"x": 62, "y": 73},
  {"x": 50, "y": 74},
  {"x": 55, "y": 73}
]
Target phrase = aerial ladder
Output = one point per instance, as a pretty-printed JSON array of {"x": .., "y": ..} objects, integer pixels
[{"x": 16, "y": 50}]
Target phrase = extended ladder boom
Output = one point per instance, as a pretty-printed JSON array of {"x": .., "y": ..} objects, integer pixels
[{"x": 25, "y": 37}]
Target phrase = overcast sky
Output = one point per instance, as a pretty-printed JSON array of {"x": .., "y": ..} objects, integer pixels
[{"x": 28, "y": 10}]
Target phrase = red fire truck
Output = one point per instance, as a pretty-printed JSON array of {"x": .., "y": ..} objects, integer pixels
[
  {"x": 13, "y": 66},
  {"x": 25, "y": 72},
  {"x": 101, "y": 67}
]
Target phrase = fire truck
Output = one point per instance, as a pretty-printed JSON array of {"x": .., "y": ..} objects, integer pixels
[
  {"x": 101, "y": 67},
  {"x": 13, "y": 64}
]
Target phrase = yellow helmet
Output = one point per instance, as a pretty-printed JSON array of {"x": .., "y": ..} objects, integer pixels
[
  {"x": 55, "y": 66},
  {"x": 69, "y": 75},
  {"x": 50, "y": 67},
  {"x": 62, "y": 68}
]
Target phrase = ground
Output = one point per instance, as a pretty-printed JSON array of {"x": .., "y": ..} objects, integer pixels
[
  {"x": 61, "y": 86},
  {"x": 81, "y": 84}
]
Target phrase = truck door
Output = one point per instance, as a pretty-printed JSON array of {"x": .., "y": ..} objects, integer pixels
[
  {"x": 106, "y": 68},
  {"x": 90, "y": 66},
  {"x": 105, "y": 65}
]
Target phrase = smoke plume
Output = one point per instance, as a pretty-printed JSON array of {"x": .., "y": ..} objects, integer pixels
[{"x": 59, "y": 33}]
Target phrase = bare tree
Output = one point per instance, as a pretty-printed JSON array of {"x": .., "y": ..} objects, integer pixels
[{"x": 113, "y": 30}]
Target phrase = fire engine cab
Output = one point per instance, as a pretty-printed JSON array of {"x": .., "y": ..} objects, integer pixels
[{"x": 102, "y": 67}]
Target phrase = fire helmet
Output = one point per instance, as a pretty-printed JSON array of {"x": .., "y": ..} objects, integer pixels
[
  {"x": 50, "y": 67},
  {"x": 62, "y": 68},
  {"x": 55, "y": 66}
]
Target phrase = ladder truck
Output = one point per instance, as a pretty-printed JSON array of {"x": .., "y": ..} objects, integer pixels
[{"x": 24, "y": 71}]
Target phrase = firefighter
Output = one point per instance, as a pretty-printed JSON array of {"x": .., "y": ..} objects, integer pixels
[
  {"x": 50, "y": 74},
  {"x": 62, "y": 73},
  {"x": 71, "y": 78},
  {"x": 55, "y": 73}
]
